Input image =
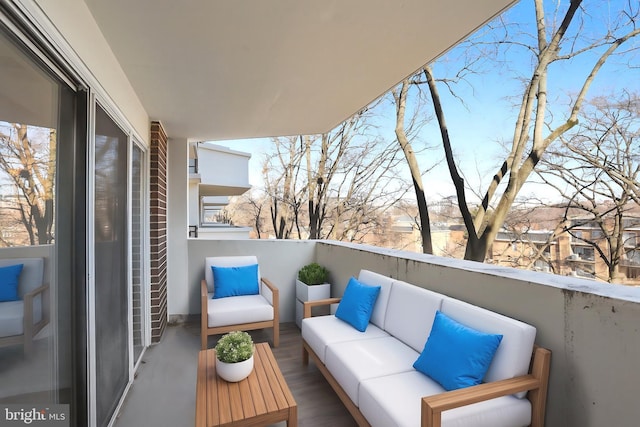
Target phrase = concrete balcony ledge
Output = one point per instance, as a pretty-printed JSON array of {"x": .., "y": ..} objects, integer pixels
[{"x": 591, "y": 327}]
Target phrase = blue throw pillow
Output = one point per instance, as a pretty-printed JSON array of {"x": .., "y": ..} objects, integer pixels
[
  {"x": 357, "y": 303},
  {"x": 455, "y": 355},
  {"x": 235, "y": 281},
  {"x": 9, "y": 282}
]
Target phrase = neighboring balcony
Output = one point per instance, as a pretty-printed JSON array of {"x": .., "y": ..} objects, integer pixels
[{"x": 215, "y": 174}]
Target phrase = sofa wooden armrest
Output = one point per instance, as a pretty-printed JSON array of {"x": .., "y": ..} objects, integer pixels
[
  {"x": 308, "y": 305},
  {"x": 536, "y": 383}
]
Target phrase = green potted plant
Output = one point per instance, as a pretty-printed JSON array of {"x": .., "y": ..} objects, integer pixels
[
  {"x": 313, "y": 274},
  {"x": 311, "y": 285},
  {"x": 234, "y": 356}
]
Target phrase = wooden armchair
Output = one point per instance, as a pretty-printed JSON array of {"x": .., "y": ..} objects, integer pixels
[
  {"x": 21, "y": 320},
  {"x": 237, "y": 313}
]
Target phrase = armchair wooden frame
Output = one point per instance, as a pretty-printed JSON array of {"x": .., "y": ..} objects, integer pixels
[
  {"x": 536, "y": 383},
  {"x": 204, "y": 323},
  {"x": 29, "y": 329}
]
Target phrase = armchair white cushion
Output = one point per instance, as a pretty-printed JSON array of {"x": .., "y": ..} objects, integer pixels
[
  {"x": 242, "y": 313},
  {"x": 236, "y": 310},
  {"x": 21, "y": 320}
]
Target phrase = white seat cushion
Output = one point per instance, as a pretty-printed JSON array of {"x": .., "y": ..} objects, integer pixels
[
  {"x": 402, "y": 406},
  {"x": 11, "y": 318},
  {"x": 410, "y": 313},
  {"x": 238, "y": 310},
  {"x": 321, "y": 331},
  {"x": 351, "y": 362}
]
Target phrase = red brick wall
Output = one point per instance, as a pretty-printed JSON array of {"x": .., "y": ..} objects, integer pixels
[{"x": 158, "y": 255}]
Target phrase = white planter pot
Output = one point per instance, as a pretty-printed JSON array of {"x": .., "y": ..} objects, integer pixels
[
  {"x": 305, "y": 292},
  {"x": 299, "y": 313},
  {"x": 234, "y": 372}
]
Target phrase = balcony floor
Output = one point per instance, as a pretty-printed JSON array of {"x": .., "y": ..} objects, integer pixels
[{"x": 163, "y": 392}]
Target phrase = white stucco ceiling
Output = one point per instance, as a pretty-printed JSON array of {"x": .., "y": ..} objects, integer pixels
[{"x": 226, "y": 69}]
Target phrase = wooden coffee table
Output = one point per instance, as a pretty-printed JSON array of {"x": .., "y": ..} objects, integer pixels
[{"x": 262, "y": 398}]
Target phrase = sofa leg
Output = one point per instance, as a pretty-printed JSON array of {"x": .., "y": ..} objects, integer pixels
[
  {"x": 276, "y": 335},
  {"x": 305, "y": 357}
]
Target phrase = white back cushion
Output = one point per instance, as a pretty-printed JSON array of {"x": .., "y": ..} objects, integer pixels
[
  {"x": 226, "y": 261},
  {"x": 32, "y": 273},
  {"x": 410, "y": 313},
  {"x": 380, "y": 308},
  {"x": 514, "y": 353}
]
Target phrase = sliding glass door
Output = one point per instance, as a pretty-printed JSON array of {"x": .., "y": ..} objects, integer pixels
[
  {"x": 111, "y": 266},
  {"x": 42, "y": 188}
]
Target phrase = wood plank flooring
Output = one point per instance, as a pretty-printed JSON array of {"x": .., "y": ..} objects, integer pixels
[{"x": 318, "y": 405}]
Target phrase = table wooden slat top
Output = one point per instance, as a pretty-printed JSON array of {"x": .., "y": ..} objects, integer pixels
[{"x": 262, "y": 398}]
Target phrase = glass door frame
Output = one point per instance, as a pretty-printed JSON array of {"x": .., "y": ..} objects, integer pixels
[
  {"x": 95, "y": 100},
  {"x": 145, "y": 263}
]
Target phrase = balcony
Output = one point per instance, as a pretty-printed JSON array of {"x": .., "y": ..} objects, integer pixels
[{"x": 590, "y": 327}]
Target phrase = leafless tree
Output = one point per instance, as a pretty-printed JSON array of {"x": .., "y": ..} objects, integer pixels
[
  {"x": 27, "y": 159},
  {"x": 281, "y": 171},
  {"x": 249, "y": 210},
  {"x": 333, "y": 185},
  {"x": 597, "y": 170},
  {"x": 405, "y": 131},
  {"x": 560, "y": 37},
  {"x": 368, "y": 187}
]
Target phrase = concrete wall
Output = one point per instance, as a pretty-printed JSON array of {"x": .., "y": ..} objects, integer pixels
[
  {"x": 224, "y": 233},
  {"x": 177, "y": 230},
  {"x": 194, "y": 203},
  {"x": 279, "y": 261},
  {"x": 591, "y": 328},
  {"x": 41, "y": 251}
]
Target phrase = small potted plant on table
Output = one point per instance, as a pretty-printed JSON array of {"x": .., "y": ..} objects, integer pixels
[
  {"x": 234, "y": 356},
  {"x": 311, "y": 285}
]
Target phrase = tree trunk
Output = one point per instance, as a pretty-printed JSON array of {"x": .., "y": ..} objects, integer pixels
[{"x": 410, "y": 155}]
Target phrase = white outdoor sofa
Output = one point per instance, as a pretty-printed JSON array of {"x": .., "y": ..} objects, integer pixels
[
  {"x": 372, "y": 372},
  {"x": 21, "y": 320}
]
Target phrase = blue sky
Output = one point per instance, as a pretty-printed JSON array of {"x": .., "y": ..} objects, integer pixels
[{"x": 488, "y": 115}]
